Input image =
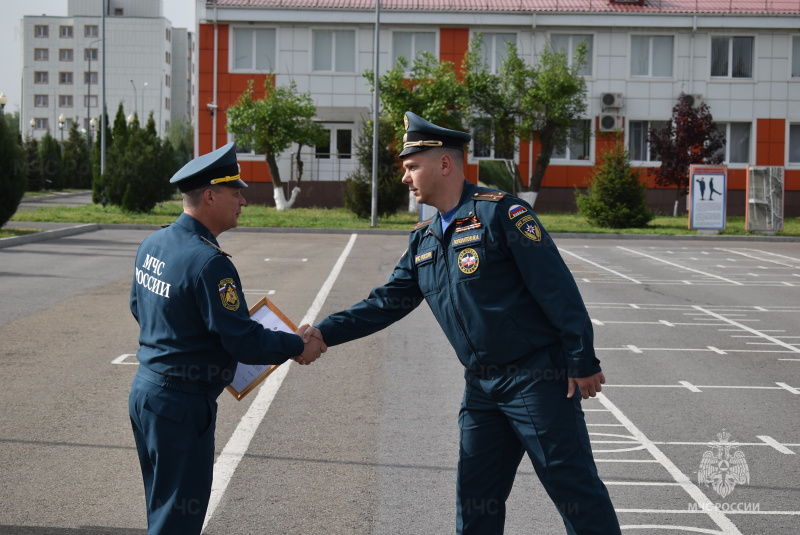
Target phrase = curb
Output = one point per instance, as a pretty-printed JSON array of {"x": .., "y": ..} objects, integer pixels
[{"x": 48, "y": 235}]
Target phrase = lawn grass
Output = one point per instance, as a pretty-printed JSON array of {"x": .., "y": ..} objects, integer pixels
[{"x": 339, "y": 218}]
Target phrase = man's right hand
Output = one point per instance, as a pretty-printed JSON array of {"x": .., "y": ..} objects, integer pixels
[{"x": 313, "y": 342}]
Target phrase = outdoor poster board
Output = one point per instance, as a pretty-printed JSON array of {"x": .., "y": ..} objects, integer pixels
[
  {"x": 765, "y": 188},
  {"x": 708, "y": 192},
  {"x": 249, "y": 376}
]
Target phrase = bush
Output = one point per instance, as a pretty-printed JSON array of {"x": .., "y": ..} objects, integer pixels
[
  {"x": 392, "y": 193},
  {"x": 616, "y": 197},
  {"x": 13, "y": 175}
]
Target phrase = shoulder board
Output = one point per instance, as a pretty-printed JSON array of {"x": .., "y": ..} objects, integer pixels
[
  {"x": 220, "y": 251},
  {"x": 488, "y": 196},
  {"x": 421, "y": 224}
]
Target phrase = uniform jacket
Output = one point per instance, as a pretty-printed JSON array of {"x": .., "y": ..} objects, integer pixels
[
  {"x": 495, "y": 283},
  {"x": 193, "y": 318}
]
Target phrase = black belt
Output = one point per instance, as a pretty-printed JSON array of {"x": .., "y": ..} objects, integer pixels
[{"x": 173, "y": 382}]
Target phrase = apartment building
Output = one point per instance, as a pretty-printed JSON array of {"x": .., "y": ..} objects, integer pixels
[
  {"x": 148, "y": 67},
  {"x": 741, "y": 57}
]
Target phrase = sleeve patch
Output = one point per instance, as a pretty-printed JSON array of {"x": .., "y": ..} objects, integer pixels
[
  {"x": 228, "y": 294},
  {"x": 529, "y": 228},
  {"x": 516, "y": 211}
]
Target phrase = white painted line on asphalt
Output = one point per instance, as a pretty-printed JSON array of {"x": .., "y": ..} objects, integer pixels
[
  {"x": 704, "y": 273},
  {"x": 227, "y": 462},
  {"x": 634, "y": 348},
  {"x": 643, "y": 484},
  {"x": 705, "y": 444},
  {"x": 784, "y": 264},
  {"x": 695, "y": 512},
  {"x": 595, "y": 264},
  {"x": 699, "y": 497},
  {"x": 260, "y": 292},
  {"x": 122, "y": 359},
  {"x": 746, "y": 328},
  {"x": 596, "y": 322},
  {"x": 689, "y": 386},
  {"x": 715, "y": 350},
  {"x": 789, "y": 388},
  {"x": 775, "y": 444},
  {"x": 667, "y": 323}
]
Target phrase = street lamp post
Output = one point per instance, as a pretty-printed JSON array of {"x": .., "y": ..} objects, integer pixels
[
  {"x": 89, "y": 89},
  {"x": 135, "y": 99},
  {"x": 141, "y": 119},
  {"x": 92, "y": 126},
  {"x": 3, "y": 100},
  {"x": 33, "y": 126},
  {"x": 61, "y": 120}
]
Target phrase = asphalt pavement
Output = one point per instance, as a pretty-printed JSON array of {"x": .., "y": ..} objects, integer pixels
[{"x": 699, "y": 340}]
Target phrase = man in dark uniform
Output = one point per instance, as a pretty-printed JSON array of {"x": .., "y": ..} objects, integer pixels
[
  {"x": 194, "y": 328},
  {"x": 511, "y": 310}
]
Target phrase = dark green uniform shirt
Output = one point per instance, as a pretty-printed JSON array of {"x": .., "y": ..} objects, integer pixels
[{"x": 495, "y": 282}]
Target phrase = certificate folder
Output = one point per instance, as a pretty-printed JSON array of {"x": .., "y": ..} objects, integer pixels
[{"x": 249, "y": 376}]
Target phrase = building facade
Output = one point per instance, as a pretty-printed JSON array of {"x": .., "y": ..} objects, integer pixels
[
  {"x": 741, "y": 57},
  {"x": 148, "y": 67}
]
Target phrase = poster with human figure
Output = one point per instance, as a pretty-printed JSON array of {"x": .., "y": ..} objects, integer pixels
[{"x": 707, "y": 196}]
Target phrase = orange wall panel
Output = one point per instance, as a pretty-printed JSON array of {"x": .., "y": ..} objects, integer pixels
[{"x": 453, "y": 45}]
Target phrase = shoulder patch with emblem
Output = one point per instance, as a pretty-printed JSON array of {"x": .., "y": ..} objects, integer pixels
[
  {"x": 516, "y": 210},
  {"x": 492, "y": 196},
  {"x": 228, "y": 294},
  {"x": 529, "y": 228}
]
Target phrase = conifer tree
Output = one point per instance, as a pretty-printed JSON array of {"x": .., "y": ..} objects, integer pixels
[{"x": 13, "y": 177}]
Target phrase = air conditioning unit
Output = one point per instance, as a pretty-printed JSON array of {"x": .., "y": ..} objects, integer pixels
[
  {"x": 610, "y": 122},
  {"x": 693, "y": 99},
  {"x": 611, "y": 100}
]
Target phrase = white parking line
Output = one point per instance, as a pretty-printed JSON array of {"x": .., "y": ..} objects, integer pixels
[
  {"x": 595, "y": 264},
  {"x": 699, "y": 497},
  {"x": 746, "y": 328},
  {"x": 235, "y": 449},
  {"x": 704, "y": 273}
]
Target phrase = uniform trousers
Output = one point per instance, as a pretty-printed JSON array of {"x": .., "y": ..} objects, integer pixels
[
  {"x": 173, "y": 425},
  {"x": 513, "y": 410}
]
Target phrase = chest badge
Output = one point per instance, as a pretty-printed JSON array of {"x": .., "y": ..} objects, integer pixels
[
  {"x": 228, "y": 294},
  {"x": 468, "y": 261}
]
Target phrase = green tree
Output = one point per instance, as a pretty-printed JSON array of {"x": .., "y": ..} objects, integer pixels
[
  {"x": 181, "y": 137},
  {"x": 270, "y": 125},
  {"x": 75, "y": 161},
  {"x": 358, "y": 187},
  {"x": 616, "y": 197},
  {"x": 33, "y": 164},
  {"x": 431, "y": 89},
  {"x": 691, "y": 137},
  {"x": 553, "y": 97},
  {"x": 102, "y": 189},
  {"x": 12, "y": 122},
  {"x": 50, "y": 154},
  {"x": 13, "y": 176}
]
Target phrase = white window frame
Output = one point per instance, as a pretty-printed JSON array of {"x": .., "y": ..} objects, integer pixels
[
  {"x": 567, "y": 156},
  {"x": 794, "y": 66},
  {"x": 66, "y": 54},
  {"x": 65, "y": 32},
  {"x": 651, "y": 60},
  {"x": 573, "y": 40},
  {"x": 725, "y": 128},
  {"x": 647, "y": 148},
  {"x": 90, "y": 54},
  {"x": 65, "y": 101},
  {"x": 253, "y": 52},
  {"x": 91, "y": 30},
  {"x": 729, "y": 74},
  {"x": 333, "y": 130},
  {"x": 41, "y": 101},
  {"x": 41, "y": 123},
  {"x": 416, "y": 51},
  {"x": 90, "y": 78},
  {"x": 89, "y": 101},
  {"x": 41, "y": 77},
  {"x": 473, "y": 156},
  {"x": 41, "y": 54},
  {"x": 793, "y": 145},
  {"x": 335, "y": 69},
  {"x": 69, "y": 75},
  {"x": 41, "y": 30},
  {"x": 493, "y": 53}
]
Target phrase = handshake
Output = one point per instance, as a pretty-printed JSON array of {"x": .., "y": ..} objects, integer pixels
[{"x": 314, "y": 344}]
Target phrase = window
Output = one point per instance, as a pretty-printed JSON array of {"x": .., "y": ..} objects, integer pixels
[
  {"x": 411, "y": 44},
  {"x": 90, "y": 77},
  {"x": 168, "y": 80},
  {"x": 737, "y": 142},
  {"x": 335, "y": 50},
  {"x": 65, "y": 31},
  {"x": 41, "y": 54},
  {"x": 65, "y": 78},
  {"x": 90, "y": 54},
  {"x": 638, "y": 145},
  {"x": 795, "y": 57},
  {"x": 41, "y": 31},
  {"x": 577, "y": 147},
  {"x": 118, "y": 11},
  {"x": 169, "y": 34},
  {"x": 651, "y": 55},
  {"x": 494, "y": 49},
  {"x": 40, "y": 77},
  {"x": 90, "y": 101},
  {"x": 794, "y": 143},
  {"x": 41, "y": 123},
  {"x": 90, "y": 30},
  {"x": 65, "y": 101},
  {"x": 732, "y": 57},
  {"x": 485, "y": 142},
  {"x": 168, "y": 58},
  {"x": 65, "y": 54},
  {"x": 254, "y": 50},
  {"x": 40, "y": 101},
  {"x": 167, "y": 103},
  {"x": 343, "y": 139},
  {"x": 568, "y": 44},
  {"x": 67, "y": 124}
]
